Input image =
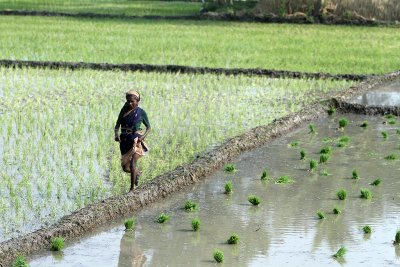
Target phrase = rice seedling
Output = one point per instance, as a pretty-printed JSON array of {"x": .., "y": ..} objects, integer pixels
[
  {"x": 190, "y": 206},
  {"x": 321, "y": 215},
  {"x": 326, "y": 150},
  {"x": 384, "y": 135},
  {"x": 230, "y": 168},
  {"x": 398, "y": 131},
  {"x": 343, "y": 122},
  {"x": 324, "y": 158},
  {"x": 284, "y": 180},
  {"x": 367, "y": 229},
  {"x": 20, "y": 262},
  {"x": 57, "y": 244},
  {"x": 331, "y": 111},
  {"x": 324, "y": 173},
  {"x": 391, "y": 157},
  {"x": 392, "y": 122},
  {"x": 336, "y": 210},
  {"x": 294, "y": 144},
  {"x": 129, "y": 224},
  {"x": 233, "y": 239},
  {"x": 355, "y": 175},
  {"x": 397, "y": 238},
  {"x": 341, "y": 194},
  {"x": 340, "y": 253},
  {"x": 390, "y": 116},
  {"x": 228, "y": 187},
  {"x": 313, "y": 165},
  {"x": 196, "y": 224},
  {"x": 218, "y": 256},
  {"x": 265, "y": 175},
  {"x": 376, "y": 182},
  {"x": 312, "y": 128},
  {"x": 254, "y": 200},
  {"x": 341, "y": 144},
  {"x": 364, "y": 124},
  {"x": 302, "y": 154},
  {"x": 163, "y": 218},
  {"x": 365, "y": 193}
]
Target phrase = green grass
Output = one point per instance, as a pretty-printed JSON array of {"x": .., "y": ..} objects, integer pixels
[
  {"x": 233, "y": 239},
  {"x": 331, "y": 49},
  {"x": 230, "y": 168},
  {"x": 120, "y": 7},
  {"x": 340, "y": 253},
  {"x": 341, "y": 194},
  {"x": 57, "y": 244},
  {"x": 365, "y": 193},
  {"x": 163, "y": 218},
  {"x": 284, "y": 180},
  {"x": 129, "y": 224},
  {"x": 196, "y": 224},
  {"x": 190, "y": 206},
  {"x": 218, "y": 256},
  {"x": 321, "y": 215},
  {"x": 367, "y": 229},
  {"x": 376, "y": 182},
  {"x": 254, "y": 200},
  {"x": 20, "y": 262},
  {"x": 228, "y": 187}
]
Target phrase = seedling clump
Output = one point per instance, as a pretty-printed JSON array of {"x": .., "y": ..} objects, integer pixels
[
  {"x": 340, "y": 253},
  {"x": 20, "y": 262},
  {"x": 397, "y": 238},
  {"x": 57, "y": 244},
  {"x": 336, "y": 210},
  {"x": 343, "y": 122},
  {"x": 392, "y": 121},
  {"x": 196, "y": 224},
  {"x": 312, "y": 128},
  {"x": 324, "y": 158},
  {"x": 341, "y": 194},
  {"x": 284, "y": 180},
  {"x": 355, "y": 174},
  {"x": 320, "y": 215},
  {"x": 228, "y": 187},
  {"x": 294, "y": 144},
  {"x": 344, "y": 139},
  {"x": 302, "y": 154},
  {"x": 367, "y": 229},
  {"x": 313, "y": 164},
  {"x": 129, "y": 224},
  {"x": 390, "y": 116},
  {"x": 331, "y": 111},
  {"x": 218, "y": 256},
  {"x": 230, "y": 168},
  {"x": 384, "y": 135},
  {"x": 366, "y": 194},
  {"x": 265, "y": 175},
  {"x": 163, "y": 218},
  {"x": 391, "y": 157},
  {"x": 326, "y": 150},
  {"x": 376, "y": 182},
  {"x": 190, "y": 206},
  {"x": 254, "y": 200},
  {"x": 364, "y": 124},
  {"x": 233, "y": 239}
]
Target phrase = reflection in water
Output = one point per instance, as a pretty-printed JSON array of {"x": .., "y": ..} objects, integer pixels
[
  {"x": 386, "y": 95},
  {"x": 131, "y": 255}
]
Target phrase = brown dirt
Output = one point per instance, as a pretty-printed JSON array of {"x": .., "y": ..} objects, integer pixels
[{"x": 92, "y": 216}]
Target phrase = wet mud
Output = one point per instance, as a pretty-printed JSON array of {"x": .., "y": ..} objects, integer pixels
[
  {"x": 95, "y": 215},
  {"x": 180, "y": 69}
]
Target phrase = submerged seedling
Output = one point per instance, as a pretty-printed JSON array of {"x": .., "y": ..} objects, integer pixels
[
  {"x": 331, "y": 111},
  {"x": 324, "y": 158},
  {"x": 233, "y": 239},
  {"x": 365, "y": 193},
  {"x": 341, "y": 194},
  {"x": 163, "y": 218},
  {"x": 324, "y": 173},
  {"x": 20, "y": 262},
  {"x": 129, "y": 224},
  {"x": 57, "y": 244},
  {"x": 196, "y": 224},
  {"x": 391, "y": 157},
  {"x": 355, "y": 174},
  {"x": 340, "y": 253},
  {"x": 265, "y": 175},
  {"x": 336, "y": 210},
  {"x": 228, "y": 187},
  {"x": 321, "y": 215},
  {"x": 312, "y": 128},
  {"x": 343, "y": 122},
  {"x": 284, "y": 180},
  {"x": 367, "y": 229},
  {"x": 384, "y": 135},
  {"x": 218, "y": 256},
  {"x": 376, "y": 182},
  {"x": 190, "y": 206},
  {"x": 230, "y": 168},
  {"x": 302, "y": 154},
  {"x": 294, "y": 144},
  {"x": 313, "y": 164},
  {"x": 254, "y": 200},
  {"x": 364, "y": 124}
]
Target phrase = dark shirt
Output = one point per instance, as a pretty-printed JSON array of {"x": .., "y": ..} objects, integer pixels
[{"x": 127, "y": 125}]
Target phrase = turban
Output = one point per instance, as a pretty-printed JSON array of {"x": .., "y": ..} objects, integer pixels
[{"x": 134, "y": 94}]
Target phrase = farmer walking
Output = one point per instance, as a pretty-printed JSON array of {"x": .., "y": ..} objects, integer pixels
[{"x": 131, "y": 139}]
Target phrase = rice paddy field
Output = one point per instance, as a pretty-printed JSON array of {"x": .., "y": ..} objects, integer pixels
[
  {"x": 56, "y": 143},
  {"x": 120, "y": 7},
  {"x": 307, "y": 48}
]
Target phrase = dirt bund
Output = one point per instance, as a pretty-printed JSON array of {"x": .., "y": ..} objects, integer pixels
[
  {"x": 179, "y": 69},
  {"x": 296, "y": 19},
  {"x": 94, "y": 215}
]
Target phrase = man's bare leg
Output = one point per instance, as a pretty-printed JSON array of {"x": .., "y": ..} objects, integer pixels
[{"x": 133, "y": 171}]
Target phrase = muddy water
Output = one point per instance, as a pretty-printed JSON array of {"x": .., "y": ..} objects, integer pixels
[
  {"x": 284, "y": 229},
  {"x": 387, "y": 95}
]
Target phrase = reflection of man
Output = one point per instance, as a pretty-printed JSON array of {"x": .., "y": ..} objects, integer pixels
[{"x": 130, "y": 254}]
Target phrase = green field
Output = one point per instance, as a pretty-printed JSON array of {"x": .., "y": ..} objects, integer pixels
[
  {"x": 120, "y": 7},
  {"x": 310, "y": 48},
  {"x": 57, "y": 148}
]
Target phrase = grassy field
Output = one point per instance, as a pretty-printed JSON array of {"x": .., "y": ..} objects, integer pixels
[
  {"x": 121, "y": 7},
  {"x": 310, "y": 48},
  {"x": 57, "y": 149}
]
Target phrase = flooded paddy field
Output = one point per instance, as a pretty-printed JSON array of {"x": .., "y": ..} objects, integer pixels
[{"x": 284, "y": 229}]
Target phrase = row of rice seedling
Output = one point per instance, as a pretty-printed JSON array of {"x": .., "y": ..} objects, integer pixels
[
  {"x": 332, "y": 49},
  {"x": 57, "y": 152}
]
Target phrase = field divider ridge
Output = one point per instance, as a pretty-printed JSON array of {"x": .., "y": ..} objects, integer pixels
[{"x": 180, "y": 69}]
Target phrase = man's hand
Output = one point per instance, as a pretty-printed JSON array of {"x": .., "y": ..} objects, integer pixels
[{"x": 116, "y": 138}]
